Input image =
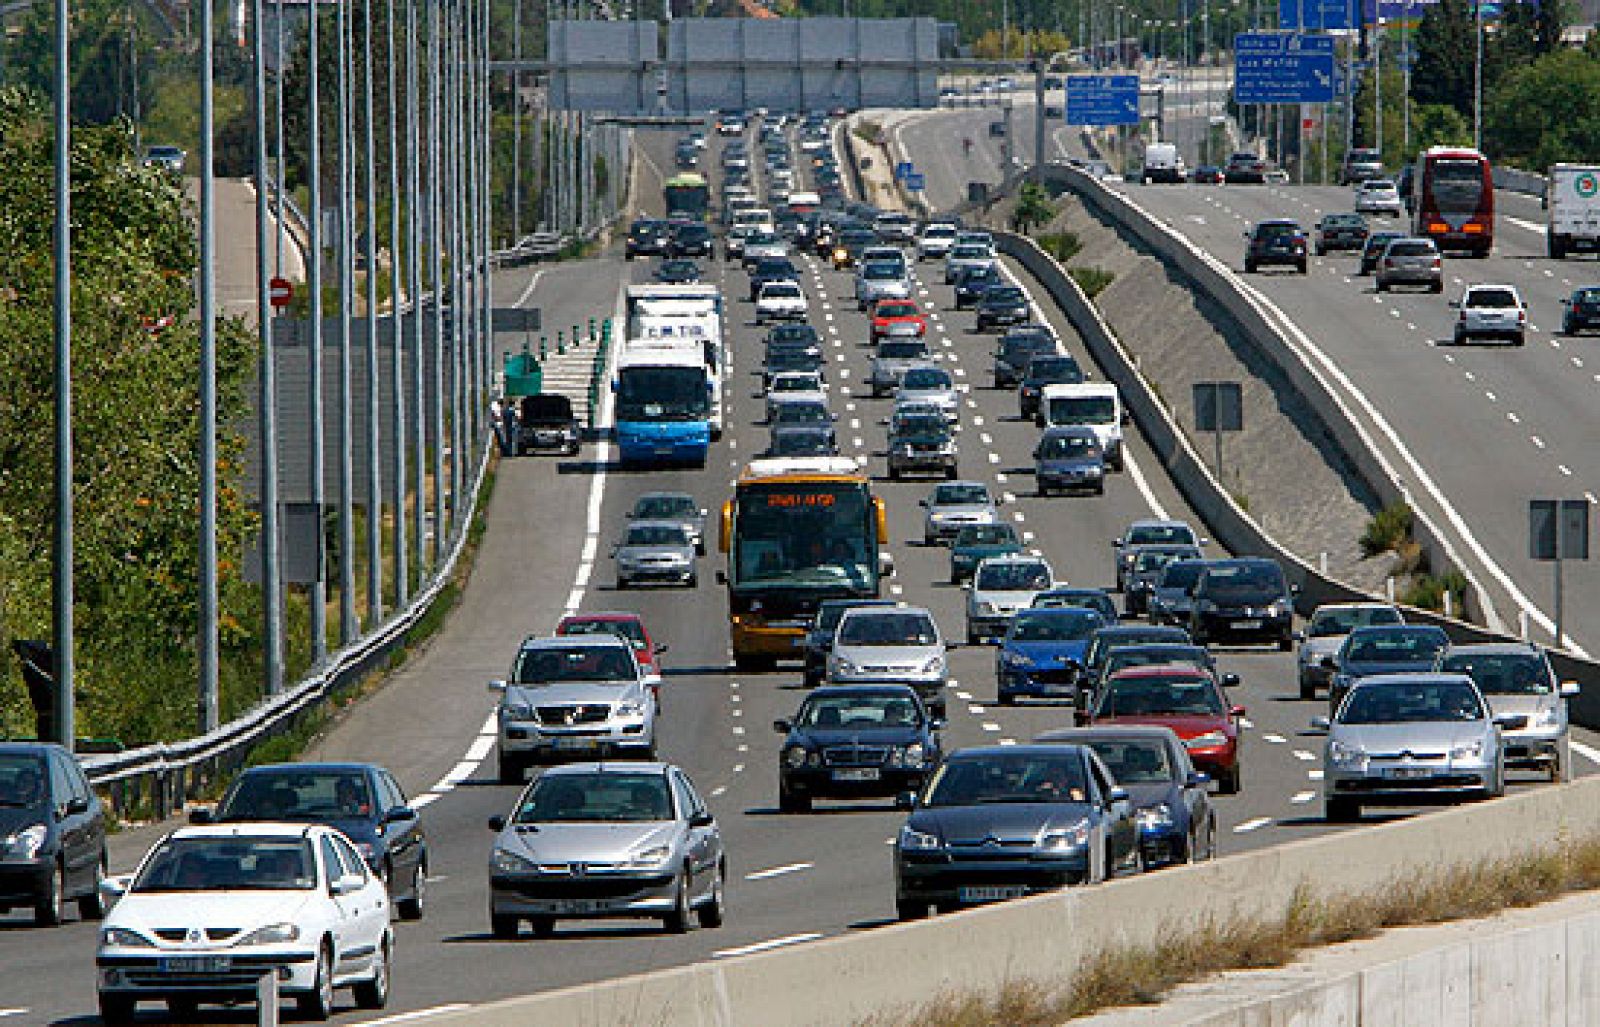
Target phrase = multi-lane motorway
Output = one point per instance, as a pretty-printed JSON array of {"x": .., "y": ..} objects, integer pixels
[{"x": 792, "y": 878}]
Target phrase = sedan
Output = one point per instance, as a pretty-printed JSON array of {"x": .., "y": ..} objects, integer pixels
[
  {"x": 1326, "y": 630},
  {"x": 966, "y": 255},
  {"x": 891, "y": 318},
  {"x": 1001, "y": 822},
  {"x": 1000, "y": 306},
  {"x": 975, "y": 543},
  {"x": 1409, "y": 261},
  {"x": 1340, "y": 232},
  {"x": 894, "y": 358},
  {"x": 794, "y": 385},
  {"x": 1378, "y": 196},
  {"x": 855, "y": 742},
  {"x": 973, "y": 282},
  {"x": 1001, "y": 586},
  {"x": 890, "y": 645},
  {"x": 672, "y": 506},
  {"x": 1069, "y": 458},
  {"x": 607, "y": 840},
  {"x": 661, "y": 551},
  {"x": 1170, "y": 798},
  {"x": 678, "y": 271},
  {"x": 932, "y": 387},
  {"x": 956, "y": 505},
  {"x": 1516, "y": 678},
  {"x": 1381, "y": 649},
  {"x": 1187, "y": 699},
  {"x": 881, "y": 280},
  {"x": 796, "y": 440},
  {"x": 1372, "y": 250},
  {"x": 1406, "y": 739},
  {"x": 360, "y": 800},
  {"x": 211, "y": 909},
  {"x": 1148, "y": 567},
  {"x": 1042, "y": 653}
]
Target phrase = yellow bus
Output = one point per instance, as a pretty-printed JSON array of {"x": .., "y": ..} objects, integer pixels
[{"x": 797, "y": 531}]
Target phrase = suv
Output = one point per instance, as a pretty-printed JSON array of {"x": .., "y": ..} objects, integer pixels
[
  {"x": 1243, "y": 598},
  {"x": 1359, "y": 165},
  {"x": 1410, "y": 261},
  {"x": 1278, "y": 241},
  {"x": 54, "y": 831},
  {"x": 1491, "y": 312},
  {"x": 881, "y": 280},
  {"x": 581, "y": 696}
]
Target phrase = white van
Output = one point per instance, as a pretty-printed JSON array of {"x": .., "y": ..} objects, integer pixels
[
  {"x": 1096, "y": 405},
  {"x": 1162, "y": 163}
]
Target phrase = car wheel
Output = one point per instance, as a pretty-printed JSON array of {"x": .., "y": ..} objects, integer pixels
[
  {"x": 790, "y": 802},
  {"x": 503, "y": 927},
  {"x": 412, "y": 906},
  {"x": 712, "y": 913},
  {"x": 622, "y": 583},
  {"x": 1134, "y": 864},
  {"x": 511, "y": 769},
  {"x": 909, "y": 909},
  {"x": 1340, "y": 810},
  {"x": 1249, "y": 267},
  {"x": 1308, "y": 688},
  {"x": 317, "y": 1004},
  {"x": 693, "y": 582},
  {"x": 92, "y": 906},
  {"x": 1380, "y": 286},
  {"x": 542, "y": 926},
  {"x": 1285, "y": 643},
  {"x": 950, "y": 472},
  {"x": 1007, "y": 699},
  {"x": 374, "y": 993},
  {"x": 1232, "y": 781},
  {"x": 973, "y": 638},
  {"x": 681, "y": 919},
  {"x": 1301, "y": 267},
  {"x": 1518, "y": 340},
  {"x": 1436, "y": 287},
  {"x": 117, "y": 1008},
  {"x": 48, "y": 909}
]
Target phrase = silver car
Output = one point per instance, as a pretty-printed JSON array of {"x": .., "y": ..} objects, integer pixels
[
  {"x": 588, "y": 840},
  {"x": 1000, "y": 587},
  {"x": 573, "y": 696},
  {"x": 788, "y": 386},
  {"x": 894, "y": 358},
  {"x": 881, "y": 280},
  {"x": 1409, "y": 739},
  {"x": 1150, "y": 532},
  {"x": 965, "y": 255},
  {"x": 1326, "y": 631},
  {"x": 953, "y": 506},
  {"x": 673, "y": 506},
  {"x": 660, "y": 551},
  {"x": 1408, "y": 261},
  {"x": 1516, "y": 678},
  {"x": 932, "y": 386},
  {"x": 890, "y": 644}
]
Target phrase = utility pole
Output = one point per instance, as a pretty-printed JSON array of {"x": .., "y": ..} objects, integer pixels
[
  {"x": 207, "y": 628},
  {"x": 62, "y": 552}
]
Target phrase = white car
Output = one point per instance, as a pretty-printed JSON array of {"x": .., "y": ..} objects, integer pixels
[
  {"x": 881, "y": 280},
  {"x": 935, "y": 241},
  {"x": 780, "y": 301},
  {"x": 793, "y": 385},
  {"x": 212, "y": 908},
  {"x": 1491, "y": 312},
  {"x": 964, "y": 255},
  {"x": 1378, "y": 196}
]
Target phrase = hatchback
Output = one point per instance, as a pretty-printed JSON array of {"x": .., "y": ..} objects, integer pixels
[
  {"x": 1189, "y": 700},
  {"x": 52, "y": 833},
  {"x": 1581, "y": 311},
  {"x": 889, "y": 645},
  {"x": 1378, "y": 196},
  {"x": 1410, "y": 261},
  {"x": 1277, "y": 242},
  {"x": 1000, "y": 587}
]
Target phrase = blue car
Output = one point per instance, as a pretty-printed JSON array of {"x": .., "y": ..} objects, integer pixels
[
  {"x": 856, "y": 742},
  {"x": 1069, "y": 458},
  {"x": 1042, "y": 653}
]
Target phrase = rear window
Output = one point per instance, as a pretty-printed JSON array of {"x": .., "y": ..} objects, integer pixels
[
  {"x": 1411, "y": 249},
  {"x": 1277, "y": 231},
  {"x": 1491, "y": 298}
]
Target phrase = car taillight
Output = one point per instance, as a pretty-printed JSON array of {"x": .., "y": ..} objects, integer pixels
[
  {"x": 1522, "y": 315},
  {"x": 1463, "y": 313},
  {"x": 1388, "y": 262},
  {"x": 1436, "y": 263}
]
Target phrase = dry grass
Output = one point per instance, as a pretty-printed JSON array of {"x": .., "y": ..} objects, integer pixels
[{"x": 1142, "y": 975}]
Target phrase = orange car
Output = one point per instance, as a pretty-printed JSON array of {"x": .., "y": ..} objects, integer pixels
[{"x": 897, "y": 318}]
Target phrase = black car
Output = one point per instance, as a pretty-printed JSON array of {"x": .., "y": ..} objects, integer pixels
[
  {"x": 1173, "y": 806},
  {"x": 1148, "y": 565},
  {"x": 803, "y": 440},
  {"x": 648, "y": 237},
  {"x": 1244, "y": 168},
  {"x": 973, "y": 282},
  {"x": 690, "y": 240},
  {"x": 678, "y": 271},
  {"x": 1001, "y": 822},
  {"x": 855, "y": 742},
  {"x": 1171, "y": 593},
  {"x": 1045, "y": 369},
  {"x": 1275, "y": 242},
  {"x": 1582, "y": 311},
  {"x": 1341, "y": 232},
  {"x": 771, "y": 269},
  {"x": 1002, "y": 305},
  {"x": 1244, "y": 598},
  {"x": 52, "y": 834},
  {"x": 361, "y": 799},
  {"x": 1017, "y": 348},
  {"x": 1115, "y": 635},
  {"x": 546, "y": 422},
  {"x": 1206, "y": 174},
  {"x": 819, "y": 635}
]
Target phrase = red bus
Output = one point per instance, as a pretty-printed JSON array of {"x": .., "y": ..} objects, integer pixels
[{"x": 1454, "y": 190}]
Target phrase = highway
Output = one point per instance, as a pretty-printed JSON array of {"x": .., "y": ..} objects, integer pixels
[{"x": 550, "y": 524}]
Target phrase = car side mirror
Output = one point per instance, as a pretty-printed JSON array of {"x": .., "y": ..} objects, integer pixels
[
  {"x": 1116, "y": 543},
  {"x": 1125, "y": 419},
  {"x": 663, "y": 647},
  {"x": 702, "y": 819},
  {"x": 1320, "y": 723},
  {"x": 1197, "y": 779},
  {"x": 781, "y": 726},
  {"x": 1569, "y": 689},
  {"x": 497, "y": 686},
  {"x": 1080, "y": 716},
  {"x": 1230, "y": 681},
  {"x": 400, "y": 815},
  {"x": 76, "y": 806},
  {"x": 201, "y": 815},
  {"x": 346, "y": 884},
  {"x": 1236, "y": 711},
  {"x": 722, "y": 577},
  {"x": 497, "y": 823},
  {"x": 921, "y": 502},
  {"x": 1511, "y": 721},
  {"x": 1298, "y": 636},
  {"x": 906, "y": 801},
  {"x": 1117, "y": 794},
  {"x": 114, "y": 888},
  {"x": 936, "y": 724}
]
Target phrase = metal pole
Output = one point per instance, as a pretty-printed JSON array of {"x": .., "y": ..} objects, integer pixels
[
  {"x": 1377, "y": 80},
  {"x": 397, "y": 465},
  {"x": 436, "y": 251},
  {"x": 1559, "y": 595},
  {"x": 1405, "y": 71},
  {"x": 374, "y": 440},
  {"x": 207, "y": 628},
  {"x": 319, "y": 587},
  {"x": 516, "y": 126},
  {"x": 1477, "y": 79},
  {"x": 349, "y": 625},
  {"x": 415, "y": 198},
  {"x": 1038, "y": 121},
  {"x": 282, "y": 230},
  {"x": 61, "y": 556},
  {"x": 271, "y": 573},
  {"x": 458, "y": 321}
]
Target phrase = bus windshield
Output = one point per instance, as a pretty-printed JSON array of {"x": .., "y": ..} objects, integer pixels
[
  {"x": 1456, "y": 184},
  {"x": 662, "y": 394},
  {"x": 805, "y": 535}
]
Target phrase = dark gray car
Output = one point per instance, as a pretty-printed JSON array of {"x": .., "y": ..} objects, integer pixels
[
  {"x": 894, "y": 358},
  {"x": 52, "y": 834}
]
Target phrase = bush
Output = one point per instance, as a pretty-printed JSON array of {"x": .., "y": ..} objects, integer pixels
[
  {"x": 1063, "y": 246},
  {"x": 1386, "y": 531},
  {"x": 1092, "y": 280}
]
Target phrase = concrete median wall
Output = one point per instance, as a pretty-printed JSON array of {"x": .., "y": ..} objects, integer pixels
[{"x": 848, "y": 978}]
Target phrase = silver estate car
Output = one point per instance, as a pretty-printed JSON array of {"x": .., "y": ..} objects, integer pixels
[
  {"x": 890, "y": 644},
  {"x": 1000, "y": 587},
  {"x": 953, "y": 506},
  {"x": 1410, "y": 739},
  {"x": 573, "y": 696},
  {"x": 661, "y": 551},
  {"x": 1516, "y": 678},
  {"x": 588, "y": 840}
]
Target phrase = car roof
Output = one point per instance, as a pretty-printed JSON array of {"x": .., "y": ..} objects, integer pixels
[
  {"x": 652, "y": 522},
  {"x": 1496, "y": 648},
  {"x": 664, "y": 495},
  {"x": 576, "y": 642},
  {"x": 845, "y": 691},
  {"x": 604, "y": 767},
  {"x": 1350, "y": 606},
  {"x": 601, "y": 616},
  {"x": 330, "y": 765},
  {"x": 1084, "y": 734},
  {"x": 1012, "y": 558},
  {"x": 1025, "y": 749},
  {"x": 875, "y": 611},
  {"x": 1417, "y": 677},
  {"x": 1124, "y": 630},
  {"x": 1161, "y": 670},
  {"x": 1408, "y": 629},
  {"x": 250, "y": 829},
  {"x": 35, "y": 748},
  {"x": 1080, "y": 430}
]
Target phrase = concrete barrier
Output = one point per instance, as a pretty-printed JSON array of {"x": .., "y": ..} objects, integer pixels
[{"x": 848, "y": 978}]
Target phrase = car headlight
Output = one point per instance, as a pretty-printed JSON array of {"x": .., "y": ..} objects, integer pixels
[
  {"x": 1018, "y": 660},
  {"x": 933, "y": 665},
  {"x": 1159, "y": 815},
  {"x": 650, "y": 857},
  {"x": 1345, "y": 754},
  {"x": 794, "y": 757},
  {"x": 843, "y": 666},
  {"x": 369, "y": 852},
  {"x": 272, "y": 934},
  {"x": 517, "y": 711},
  {"x": 947, "y": 447},
  {"x": 123, "y": 938},
  {"x": 912, "y": 755},
  {"x": 26, "y": 843},
  {"x": 630, "y": 709},
  {"x": 510, "y": 862},
  {"x": 1072, "y": 837},
  {"x": 1470, "y": 751},
  {"x": 985, "y": 609},
  {"x": 912, "y": 840},
  {"x": 1206, "y": 740}
]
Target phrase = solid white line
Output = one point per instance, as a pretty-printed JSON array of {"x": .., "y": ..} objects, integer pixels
[
  {"x": 787, "y": 868},
  {"x": 1252, "y": 825},
  {"x": 1143, "y": 485},
  {"x": 533, "y": 283},
  {"x": 415, "y": 1014},
  {"x": 480, "y": 748},
  {"x": 1587, "y": 752},
  {"x": 1302, "y": 796},
  {"x": 762, "y": 946}
]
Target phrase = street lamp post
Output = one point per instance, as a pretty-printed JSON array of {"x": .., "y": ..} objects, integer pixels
[
  {"x": 61, "y": 556},
  {"x": 207, "y": 628}
]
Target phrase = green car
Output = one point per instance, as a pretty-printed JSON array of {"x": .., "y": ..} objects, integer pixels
[{"x": 975, "y": 543}]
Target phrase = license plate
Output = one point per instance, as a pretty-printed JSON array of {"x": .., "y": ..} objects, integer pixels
[
  {"x": 573, "y": 743},
  {"x": 856, "y": 774},
  {"x": 991, "y": 893},
  {"x": 196, "y": 964},
  {"x": 1406, "y": 773},
  {"x": 576, "y": 906},
  {"x": 663, "y": 451},
  {"x": 1246, "y": 625}
]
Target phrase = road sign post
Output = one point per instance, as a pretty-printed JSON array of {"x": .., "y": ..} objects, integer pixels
[
  {"x": 1102, "y": 100},
  {"x": 1218, "y": 408},
  {"x": 280, "y": 292},
  {"x": 1558, "y": 530},
  {"x": 916, "y": 181}
]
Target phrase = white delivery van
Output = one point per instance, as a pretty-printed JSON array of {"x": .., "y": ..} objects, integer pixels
[
  {"x": 1095, "y": 405},
  {"x": 1162, "y": 163},
  {"x": 1572, "y": 195}
]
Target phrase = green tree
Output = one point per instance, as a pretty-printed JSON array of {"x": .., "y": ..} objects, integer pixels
[
  {"x": 1446, "y": 50},
  {"x": 1546, "y": 112},
  {"x": 109, "y": 40},
  {"x": 1034, "y": 208}
]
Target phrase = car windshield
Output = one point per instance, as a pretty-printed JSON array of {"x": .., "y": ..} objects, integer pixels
[
  {"x": 292, "y": 794},
  {"x": 792, "y": 333},
  {"x": 796, "y": 383},
  {"x": 896, "y": 310},
  {"x": 1160, "y": 696},
  {"x": 22, "y": 781},
  {"x": 550, "y": 665},
  {"x": 801, "y": 442},
  {"x": 1498, "y": 298},
  {"x": 969, "y": 252},
  {"x": 1378, "y": 240},
  {"x": 1343, "y": 221},
  {"x": 881, "y": 272},
  {"x": 1063, "y": 624},
  {"x": 1003, "y": 294},
  {"x": 986, "y": 535},
  {"x": 960, "y": 495},
  {"x": 656, "y": 535},
  {"x": 230, "y": 863},
  {"x": 609, "y": 798},
  {"x": 1011, "y": 576},
  {"x": 631, "y": 630},
  {"x": 1068, "y": 447},
  {"x": 1135, "y": 761},
  {"x": 800, "y": 413},
  {"x": 1398, "y": 646},
  {"x": 1153, "y": 560},
  {"x": 1082, "y": 410},
  {"x": 1006, "y": 777},
  {"x": 1055, "y": 370},
  {"x": 1277, "y": 231},
  {"x": 1501, "y": 673},
  {"x": 1400, "y": 248},
  {"x": 1127, "y": 656},
  {"x": 891, "y": 629},
  {"x": 1243, "y": 581},
  {"x": 1105, "y": 643},
  {"x": 1345, "y": 620},
  {"x": 665, "y": 507},
  {"x": 662, "y": 394},
  {"x": 925, "y": 379},
  {"x": 780, "y": 290},
  {"x": 859, "y": 712},
  {"x": 1156, "y": 534},
  {"x": 1088, "y": 599},
  {"x": 1586, "y": 296},
  {"x": 1404, "y": 703},
  {"x": 978, "y": 275},
  {"x": 902, "y": 350}
]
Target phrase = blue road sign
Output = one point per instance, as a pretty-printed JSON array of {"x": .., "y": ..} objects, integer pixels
[
  {"x": 916, "y": 181},
  {"x": 1102, "y": 100},
  {"x": 1282, "y": 67},
  {"x": 904, "y": 168},
  {"x": 1317, "y": 14}
]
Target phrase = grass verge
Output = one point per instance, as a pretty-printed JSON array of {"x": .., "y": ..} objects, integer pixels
[
  {"x": 1092, "y": 280},
  {"x": 1144, "y": 974}
]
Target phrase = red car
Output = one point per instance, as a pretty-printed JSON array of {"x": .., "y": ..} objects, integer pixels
[
  {"x": 623, "y": 625},
  {"x": 897, "y": 318},
  {"x": 1185, "y": 698}
]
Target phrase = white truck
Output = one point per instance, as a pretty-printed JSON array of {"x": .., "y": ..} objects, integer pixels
[
  {"x": 1095, "y": 405},
  {"x": 1162, "y": 163},
  {"x": 1572, "y": 196}
]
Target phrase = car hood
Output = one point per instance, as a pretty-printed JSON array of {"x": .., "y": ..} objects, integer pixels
[
  {"x": 145, "y": 912},
  {"x": 586, "y": 842},
  {"x": 940, "y": 397},
  {"x": 1420, "y": 736},
  {"x": 13, "y": 819},
  {"x": 817, "y": 737},
  {"x": 884, "y": 654},
  {"x": 1004, "y": 822},
  {"x": 964, "y": 512},
  {"x": 1021, "y": 598},
  {"x": 573, "y": 692},
  {"x": 637, "y": 552},
  {"x": 1187, "y": 725},
  {"x": 1315, "y": 649},
  {"x": 1529, "y": 706},
  {"x": 1149, "y": 793},
  {"x": 984, "y": 552},
  {"x": 1364, "y": 668},
  {"x": 1057, "y": 466},
  {"x": 1048, "y": 651}
]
